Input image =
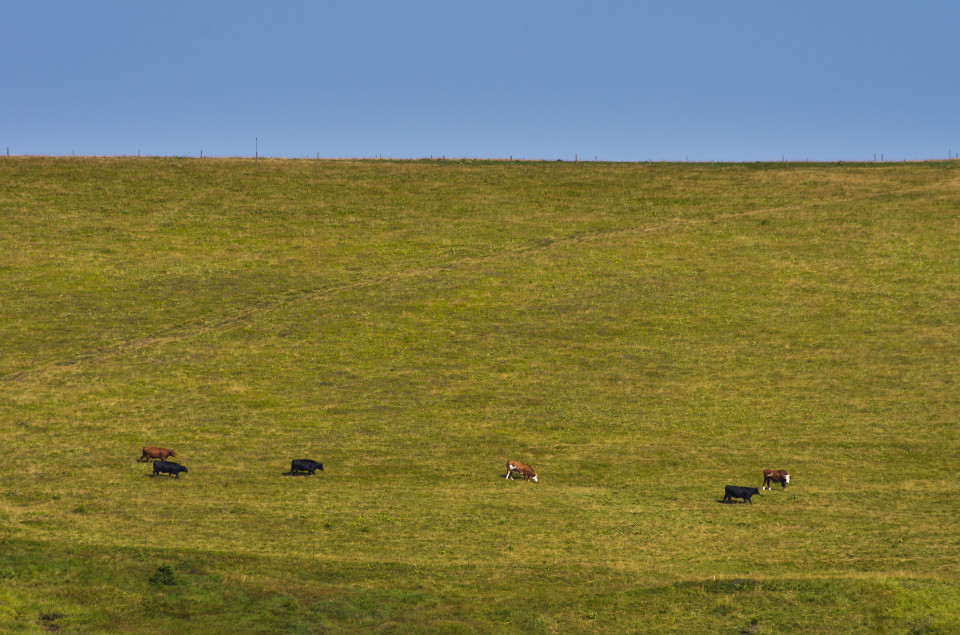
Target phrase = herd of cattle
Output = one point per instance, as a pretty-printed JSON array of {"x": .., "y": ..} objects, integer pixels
[
  {"x": 162, "y": 466},
  {"x": 769, "y": 477}
]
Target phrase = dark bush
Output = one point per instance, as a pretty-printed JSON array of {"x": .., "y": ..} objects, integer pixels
[{"x": 163, "y": 575}]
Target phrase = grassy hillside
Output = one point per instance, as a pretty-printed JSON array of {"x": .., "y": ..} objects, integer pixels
[{"x": 642, "y": 334}]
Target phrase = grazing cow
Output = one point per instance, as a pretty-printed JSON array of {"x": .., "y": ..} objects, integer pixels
[
  {"x": 775, "y": 476},
  {"x": 732, "y": 491},
  {"x": 305, "y": 465},
  {"x": 168, "y": 467},
  {"x": 522, "y": 469},
  {"x": 151, "y": 452}
]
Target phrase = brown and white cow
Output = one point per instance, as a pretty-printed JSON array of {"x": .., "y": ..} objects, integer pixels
[
  {"x": 775, "y": 476},
  {"x": 151, "y": 452},
  {"x": 522, "y": 469}
]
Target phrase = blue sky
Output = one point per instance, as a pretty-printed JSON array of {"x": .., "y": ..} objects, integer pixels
[{"x": 626, "y": 81}]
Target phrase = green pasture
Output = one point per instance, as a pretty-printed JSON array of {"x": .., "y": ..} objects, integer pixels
[{"x": 642, "y": 334}]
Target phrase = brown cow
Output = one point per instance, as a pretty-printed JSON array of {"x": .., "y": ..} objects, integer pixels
[
  {"x": 151, "y": 452},
  {"x": 522, "y": 469},
  {"x": 775, "y": 476}
]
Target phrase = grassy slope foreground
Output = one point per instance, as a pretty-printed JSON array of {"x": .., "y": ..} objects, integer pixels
[{"x": 641, "y": 334}]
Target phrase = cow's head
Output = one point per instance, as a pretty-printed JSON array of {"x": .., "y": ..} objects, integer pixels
[
  {"x": 786, "y": 478},
  {"x": 183, "y": 469},
  {"x": 172, "y": 453},
  {"x": 534, "y": 479}
]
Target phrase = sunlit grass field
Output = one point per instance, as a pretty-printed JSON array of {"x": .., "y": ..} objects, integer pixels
[{"x": 642, "y": 334}]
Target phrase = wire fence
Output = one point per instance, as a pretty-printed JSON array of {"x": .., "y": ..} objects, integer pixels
[{"x": 951, "y": 156}]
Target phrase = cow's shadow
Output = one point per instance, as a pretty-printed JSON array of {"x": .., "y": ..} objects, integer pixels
[
  {"x": 518, "y": 479},
  {"x": 289, "y": 473}
]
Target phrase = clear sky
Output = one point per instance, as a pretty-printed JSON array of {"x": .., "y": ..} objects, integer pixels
[{"x": 723, "y": 80}]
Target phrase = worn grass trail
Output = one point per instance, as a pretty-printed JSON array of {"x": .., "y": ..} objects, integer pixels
[{"x": 643, "y": 334}]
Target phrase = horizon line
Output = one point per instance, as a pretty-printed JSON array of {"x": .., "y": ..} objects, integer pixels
[{"x": 506, "y": 159}]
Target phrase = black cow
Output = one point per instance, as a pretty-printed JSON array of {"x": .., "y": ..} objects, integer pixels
[
  {"x": 732, "y": 491},
  {"x": 168, "y": 467},
  {"x": 305, "y": 465}
]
